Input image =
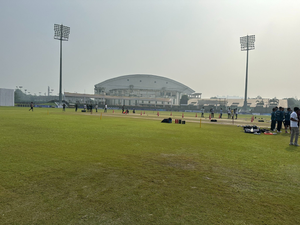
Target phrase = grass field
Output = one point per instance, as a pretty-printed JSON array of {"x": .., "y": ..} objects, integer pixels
[{"x": 79, "y": 168}]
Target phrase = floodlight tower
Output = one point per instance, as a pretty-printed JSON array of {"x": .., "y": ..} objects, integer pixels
[
  {"x": 61, "y": 33},
  {"x": 247, "y": 43}
]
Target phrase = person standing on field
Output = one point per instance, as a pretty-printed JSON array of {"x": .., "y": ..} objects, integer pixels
[
  {"x": 273, "y": 119},
  {"x": 294, "y": 127},
  {"x": 212, "y": 113},
  {"x": 236, "y": 113},
  {"x": 31, "y": 106},
  {"x": 298, "y": 114},
  {"x": 287, "y": 121},
  {"x": 105, "y": 108},
  {"x": 279, "y": 118},
  {"x": 76, "y": 107},
  {"x": 221, "y": 112},
  {"x": 96, "y": 107}
]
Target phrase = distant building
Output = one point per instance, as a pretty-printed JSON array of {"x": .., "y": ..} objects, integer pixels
[
  {"x": 229, "y": 97},
  {"x": 263, "y": 105},
  {"x": 142, "y": 89},
  {"x": 7, "y": 97},
  {"x": 21, "y": 97}
]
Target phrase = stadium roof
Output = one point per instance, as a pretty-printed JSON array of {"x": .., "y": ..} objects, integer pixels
[{"x": 144, "y": 81}]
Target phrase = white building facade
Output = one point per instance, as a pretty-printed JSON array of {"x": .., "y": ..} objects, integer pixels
[
  {"x": 7, "y": 97},
  {"x": 142, "y": 89}
]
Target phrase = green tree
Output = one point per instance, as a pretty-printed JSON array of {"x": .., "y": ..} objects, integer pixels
[
  {"x": 18, "y": 95},
  {"x": 184, "y": 99},
  {"x": 293, "y": 103}
]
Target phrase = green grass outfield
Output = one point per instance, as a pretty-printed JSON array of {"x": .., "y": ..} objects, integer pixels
[{"x": 78, "y": 168}]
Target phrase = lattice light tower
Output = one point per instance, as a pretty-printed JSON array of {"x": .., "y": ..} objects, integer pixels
[
  {"x": 61, "y": 33},
  {"x": 247, "y": 43}
]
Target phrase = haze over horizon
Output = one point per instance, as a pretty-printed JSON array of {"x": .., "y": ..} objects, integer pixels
[{"x": 196, "y": 43}]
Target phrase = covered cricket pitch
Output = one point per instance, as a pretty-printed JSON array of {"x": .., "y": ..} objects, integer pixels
[{"x": 80, "y": 168}]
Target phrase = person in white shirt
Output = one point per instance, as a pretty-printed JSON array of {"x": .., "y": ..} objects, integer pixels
[
  {"x": 229, "y": 112},
  {"x": 294, "y": 127}
]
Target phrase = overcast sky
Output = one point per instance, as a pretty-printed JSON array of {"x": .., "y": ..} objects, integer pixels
[{"x": 195, "y": 42}]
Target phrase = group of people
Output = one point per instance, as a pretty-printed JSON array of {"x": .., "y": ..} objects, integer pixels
[
  {"x": 279, "y": 117},
  {"x": 290, "y": 119},
  {"x": 89, "y": 107},
  {"x": 126, "y": 111},
  {"x": 230, "y": 112}
]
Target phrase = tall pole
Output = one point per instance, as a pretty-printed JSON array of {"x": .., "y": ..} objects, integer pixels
[
  {"x": 246, "y": 84},
  {"x": 60, "y": 72},
  {"x": 61, "y": 33},
  {"x": 247, "y": 43}
]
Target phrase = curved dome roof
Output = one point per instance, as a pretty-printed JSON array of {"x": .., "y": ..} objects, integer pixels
[{"x": 144, "y": 81}]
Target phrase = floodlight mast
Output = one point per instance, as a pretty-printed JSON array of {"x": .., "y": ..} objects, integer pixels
[
  {"x": 247, "y": 43},
  {"x": 61, "y": 33}
]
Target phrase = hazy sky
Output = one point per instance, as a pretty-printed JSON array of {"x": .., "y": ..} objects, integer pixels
[{"x": 193, "y": 42}]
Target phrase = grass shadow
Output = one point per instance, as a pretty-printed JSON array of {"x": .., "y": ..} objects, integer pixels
[{"x": 292, "y": 148}]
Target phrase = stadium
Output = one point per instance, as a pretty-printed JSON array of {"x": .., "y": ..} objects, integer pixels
[{"x": 136, "y": 90}]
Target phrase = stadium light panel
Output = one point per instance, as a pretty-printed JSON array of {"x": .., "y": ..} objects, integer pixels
[
  {"x": 61, "y": 32},
  {"x": 247, "y": 42}
]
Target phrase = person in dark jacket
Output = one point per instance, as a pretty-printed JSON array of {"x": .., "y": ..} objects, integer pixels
[
  {"x": 273, "y": 119},
  {"x": 212, "y": 113},
  {"x": 31, "y": 106},
  {"x": 279, "y": 118},
  {"x": 287, "y": 119},
  {"x": 236, "y": 113}
]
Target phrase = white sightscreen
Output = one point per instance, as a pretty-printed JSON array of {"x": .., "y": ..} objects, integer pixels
[{"x": 7, "y": 97}]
